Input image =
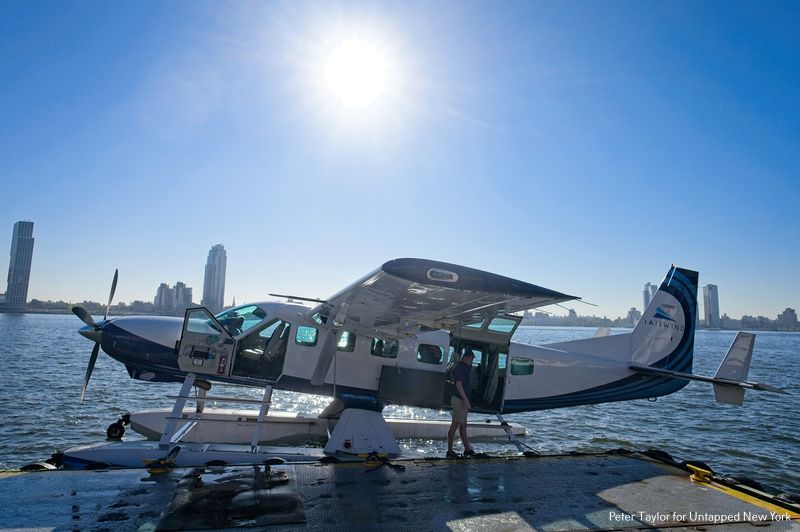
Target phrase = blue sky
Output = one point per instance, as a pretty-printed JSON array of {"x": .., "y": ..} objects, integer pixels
[{"x": 582, "y": 146}]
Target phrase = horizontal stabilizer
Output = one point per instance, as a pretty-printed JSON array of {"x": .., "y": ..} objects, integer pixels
[
  {"x": 768, "y": 388},
  {"x": 729, "y": 383}
]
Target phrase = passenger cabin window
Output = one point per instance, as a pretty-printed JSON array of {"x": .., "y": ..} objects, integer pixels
[
  {"x": 476, "y": 325},
  {"x": 521, "y": 366},
  {"x": 240, "y": 319},
  {"x": 503, "y": 325},
  {"x": 347, "y": 342},
  {"x": 384, "y": 348},
  {"x": 306, "y": 336},
  {"x": 430, "y": 354}
]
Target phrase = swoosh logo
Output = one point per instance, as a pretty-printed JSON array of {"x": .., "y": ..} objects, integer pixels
[{"x": 661, "y": 314}]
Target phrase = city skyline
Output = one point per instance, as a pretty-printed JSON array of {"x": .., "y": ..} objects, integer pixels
[
  {"x": 180, "y": 296},
  {"x": 580, "y": 147}
]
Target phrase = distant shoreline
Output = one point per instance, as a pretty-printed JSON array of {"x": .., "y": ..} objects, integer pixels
[{"x": 699, "y": 327}]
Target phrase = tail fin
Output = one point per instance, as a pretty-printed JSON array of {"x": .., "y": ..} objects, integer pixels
[{"x": 664, "y": 337}]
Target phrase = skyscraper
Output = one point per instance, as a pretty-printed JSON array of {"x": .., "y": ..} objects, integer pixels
[
  {"x": 647, "y": 294},
  {"x": 711, "y": 305},
  {"x": 183, "y": 296},
  {"x": 165, "y": 298},
  {"x": 214, "y": 282},
  {"x": 19, "y": 267},
  {"x": 173, "y": 300}
]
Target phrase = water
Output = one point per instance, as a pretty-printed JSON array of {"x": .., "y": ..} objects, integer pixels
[{"x": 44, "y": 361}]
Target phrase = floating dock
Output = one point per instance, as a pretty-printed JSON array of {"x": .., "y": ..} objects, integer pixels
[{"x": 612, "y": 491}]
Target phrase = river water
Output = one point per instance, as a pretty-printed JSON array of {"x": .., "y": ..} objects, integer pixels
[{"x": 44, "y": 361}]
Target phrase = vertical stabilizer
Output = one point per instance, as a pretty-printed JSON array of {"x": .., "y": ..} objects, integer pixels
[{"x": 664, "y": 337}]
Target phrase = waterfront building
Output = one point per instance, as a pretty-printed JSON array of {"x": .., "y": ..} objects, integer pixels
[
  {"x": 19, "y": 266},
  {"x": 183, "y": 296},
  {"x": 726, "y": 322},
  {"x": 165, "y": 298},
  {"x": 634, "y": 316},
  {"x": 648, "y": 293},
  {"x": 711, "y": 306},
  {"x": 214, "y": 281},
  {"x": 788, "y": 318},
  {"x": 173, "y": 300}
]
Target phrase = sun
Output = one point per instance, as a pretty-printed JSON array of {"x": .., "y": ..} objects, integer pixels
[{"x": 355, "y": 73}]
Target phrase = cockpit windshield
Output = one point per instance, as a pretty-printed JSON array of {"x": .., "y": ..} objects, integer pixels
[{"x": 238, "y": 320}]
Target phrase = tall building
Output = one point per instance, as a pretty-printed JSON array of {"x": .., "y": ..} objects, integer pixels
[
  {"x": 19, "y": 267},
  {"x": 788, "y": 318},
  {"x": 165, "y": 298},
  {"x": 183, "y": 296},
  {"x": 711, "y": 305},
  {"x": 633, "y": 316},
  {"x": 173, "y": 300},
  {"x": 648, "y": 293},
  {"x": 214, "y": 282}
]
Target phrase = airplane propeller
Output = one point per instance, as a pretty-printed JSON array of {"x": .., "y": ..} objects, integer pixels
[
  {"x": 94, "y": 333},
  {"x": 84, "y": 316},
  {"x": 111, "y": 293}
]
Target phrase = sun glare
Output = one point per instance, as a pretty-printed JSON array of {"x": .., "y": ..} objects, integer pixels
[{"x": 356, "y": 73}]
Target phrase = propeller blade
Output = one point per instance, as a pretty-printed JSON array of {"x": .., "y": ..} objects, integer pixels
[
  {"x": 111, "y": 294},
  {"x": 92, "y": 360},
  {"x": 84, "y": 316}
]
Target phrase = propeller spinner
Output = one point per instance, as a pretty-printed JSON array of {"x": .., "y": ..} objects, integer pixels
[{"x": 93, "y": 331}]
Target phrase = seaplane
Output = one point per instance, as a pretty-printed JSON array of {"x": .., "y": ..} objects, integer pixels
[{"x": 389, "y": 338}]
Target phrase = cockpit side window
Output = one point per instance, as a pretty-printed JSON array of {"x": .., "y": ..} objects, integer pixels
[{"x": 240, "y": 319}]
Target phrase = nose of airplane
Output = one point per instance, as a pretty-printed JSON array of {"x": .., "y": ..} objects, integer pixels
[{"x": 92, "y": 333}]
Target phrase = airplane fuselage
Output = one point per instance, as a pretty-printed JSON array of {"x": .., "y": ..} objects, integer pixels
[{"x": 411, "y": 370}]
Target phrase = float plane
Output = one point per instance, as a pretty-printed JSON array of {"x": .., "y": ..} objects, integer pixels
[{"x": 389, "y": 338}]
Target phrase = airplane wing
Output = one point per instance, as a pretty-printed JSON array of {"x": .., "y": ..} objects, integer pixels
[{"x": 407, "y": 292}]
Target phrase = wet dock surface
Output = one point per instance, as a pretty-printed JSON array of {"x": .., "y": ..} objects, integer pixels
[{"x": 594, "y": 492}]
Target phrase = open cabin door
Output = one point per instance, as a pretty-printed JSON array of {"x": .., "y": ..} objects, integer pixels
[
  {"x": 206, "y": 347},
  {"x": 489, "y": 340}
]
